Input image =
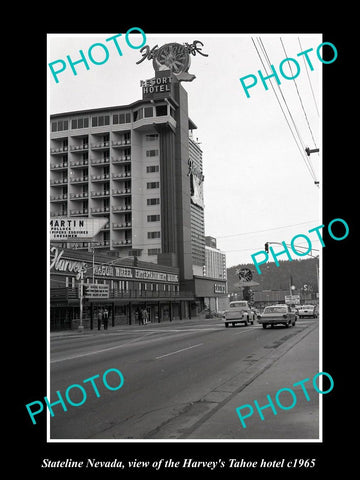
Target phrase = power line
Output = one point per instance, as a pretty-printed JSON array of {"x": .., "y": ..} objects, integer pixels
[
  {"x": 302, "y": 147},
  {"x": 266, "y": 230},
  {"x": 307, "y": 73},
  {"x": 307, "y": 161},
  {"x": 298, "y": 93},
  {"x": 303, "y": 109}
]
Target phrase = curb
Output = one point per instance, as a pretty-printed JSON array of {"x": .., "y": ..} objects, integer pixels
[{"x": 189, "y": 420}]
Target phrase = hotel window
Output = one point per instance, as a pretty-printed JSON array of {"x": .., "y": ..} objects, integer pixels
[
  {"x": 152, "y": 168},
  {"x": 59, "y": 126},
  {"x": 101, "y": 120},
  {"x": 138, "y": 114},
  {"x": 153, "y": 218},
  {"x": 152, "y": 185},
  {"x": 153, "y": 235},
  {"x": 153, "y": 201},
  {"x": 148, "y": 112},
  {"x": 151, "y": 137},
  {"x": 161, "y": 110},
  {"x": 152, "y": 153},
  {"x": 79, "y": 123},
  {"x": 121, "y": 118}
]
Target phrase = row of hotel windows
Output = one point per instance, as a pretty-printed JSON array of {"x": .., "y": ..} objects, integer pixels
[
  {"x": 123, "y": 285},
  {"x": 117, "y": 118}
]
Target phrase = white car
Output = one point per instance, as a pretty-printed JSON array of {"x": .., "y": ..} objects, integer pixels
[
  {"x": 277, "y": 314},
  {"x": 239, "y": 312},
  {"x": 307, "y": 311}
]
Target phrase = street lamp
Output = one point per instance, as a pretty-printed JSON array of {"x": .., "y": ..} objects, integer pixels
[{"x": 80, "y": 277}]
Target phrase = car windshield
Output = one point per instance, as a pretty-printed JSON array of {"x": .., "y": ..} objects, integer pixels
[
  {"x": 307, "y": 306},
  {"x": 238, "y": 304},
  {"x": 275, "y": 310}
]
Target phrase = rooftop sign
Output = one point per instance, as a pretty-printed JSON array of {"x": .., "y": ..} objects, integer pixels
[{"x": 173, "y": 57}]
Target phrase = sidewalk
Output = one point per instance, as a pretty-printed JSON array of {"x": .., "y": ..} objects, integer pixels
[
  {"x": 281, "y": 370},
  {"x": 116, "y": 328}
]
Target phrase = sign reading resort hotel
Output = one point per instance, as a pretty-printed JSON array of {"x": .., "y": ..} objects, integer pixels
[{"x": 75, "y": 229}]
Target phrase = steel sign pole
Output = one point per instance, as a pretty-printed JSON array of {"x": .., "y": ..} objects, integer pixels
[{"x": 81, "y": 276}]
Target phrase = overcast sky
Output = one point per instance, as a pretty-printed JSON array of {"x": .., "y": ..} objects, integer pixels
[{"x": 258, "y": 186}]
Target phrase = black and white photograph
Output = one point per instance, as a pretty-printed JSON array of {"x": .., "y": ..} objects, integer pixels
[{"x": 194, "y": 244}]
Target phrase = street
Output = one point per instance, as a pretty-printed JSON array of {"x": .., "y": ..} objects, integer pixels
[{"x": 183, "y": 380}]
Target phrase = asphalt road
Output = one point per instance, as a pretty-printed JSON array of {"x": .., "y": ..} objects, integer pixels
[{"x": 174, "y": 374}]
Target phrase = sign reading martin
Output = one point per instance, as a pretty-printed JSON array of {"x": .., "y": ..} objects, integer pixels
[{"x": 75, "y": 229}]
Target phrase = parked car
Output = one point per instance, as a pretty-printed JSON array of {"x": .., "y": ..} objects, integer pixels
[
  {"x": 239, "y": 312},
  {"x": 307, "y": 311},
  {"x": 277, "y": 315}
]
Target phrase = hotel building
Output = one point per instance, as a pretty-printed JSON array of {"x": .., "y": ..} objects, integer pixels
[{"x": 138, "y": 166}]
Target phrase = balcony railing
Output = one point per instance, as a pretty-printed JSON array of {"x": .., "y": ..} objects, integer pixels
[
  {"x": 105, "y": 243},
  {"x": 58, "y": 150},
  {"x": 121, "y": 243},
  {"x": 123, "y": 191},
  {"x": 79, "y": 148},
  {"x": 60, "y": 181},
  {"x": 122, "y": 159},
  {"x": 121, "y": 226},
  {"x": 105, "y": 193},
  {"x": 120, "y": 143},
  {"x": 100, "y": 178},
  {"x": 79, "y": 179},
  {"x": 83, "y": 211},
  {"x": 120, "y": 176},
  {"x": 59, "y": 166},
  {"x": 99, "y": 161},
  {"x": 78, "y": 196},
  {"x": 59, "y": 198},
  {"x": 100, "y": 145},
  {"x": 95, "y": 211},
  {"x": 80, "y": 163},
  {"x": 121, "y": 208}
]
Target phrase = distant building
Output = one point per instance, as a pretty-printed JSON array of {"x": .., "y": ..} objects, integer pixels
[{"x": 215, "y": 260}]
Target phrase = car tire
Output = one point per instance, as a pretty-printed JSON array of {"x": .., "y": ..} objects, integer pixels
[
  {"x": 264, "y": 325},
  {"x": 233, "y": 324},
  {"x": 226, "y": 325}
]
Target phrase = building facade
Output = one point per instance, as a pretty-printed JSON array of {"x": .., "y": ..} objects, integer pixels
[
  {"x": 138, "y": 166},
  {"x": 126, "y": 285},
  {"x": 215, "y": 260}
]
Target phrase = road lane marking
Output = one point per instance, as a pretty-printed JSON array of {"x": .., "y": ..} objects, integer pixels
[
  {"x": 178, "y": 351},
  {"x": 71, "y": 357}
]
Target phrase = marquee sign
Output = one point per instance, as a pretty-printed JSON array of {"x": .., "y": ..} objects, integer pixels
[
  {"x": 75, "y": 229},
  {"x": 60, "y": 263},
  {"x": 173, "y": 57}
]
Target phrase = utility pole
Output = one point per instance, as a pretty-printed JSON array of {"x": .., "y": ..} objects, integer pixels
[{"x": 308, "y": 151}]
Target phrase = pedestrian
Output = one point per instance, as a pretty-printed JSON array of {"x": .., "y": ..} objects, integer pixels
[
  {"x": 106, "y": 319},
  {"x": 141, "y": 317},
  {"x": 100, "y": 317},
  {"x": 145, "y": 316}
]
